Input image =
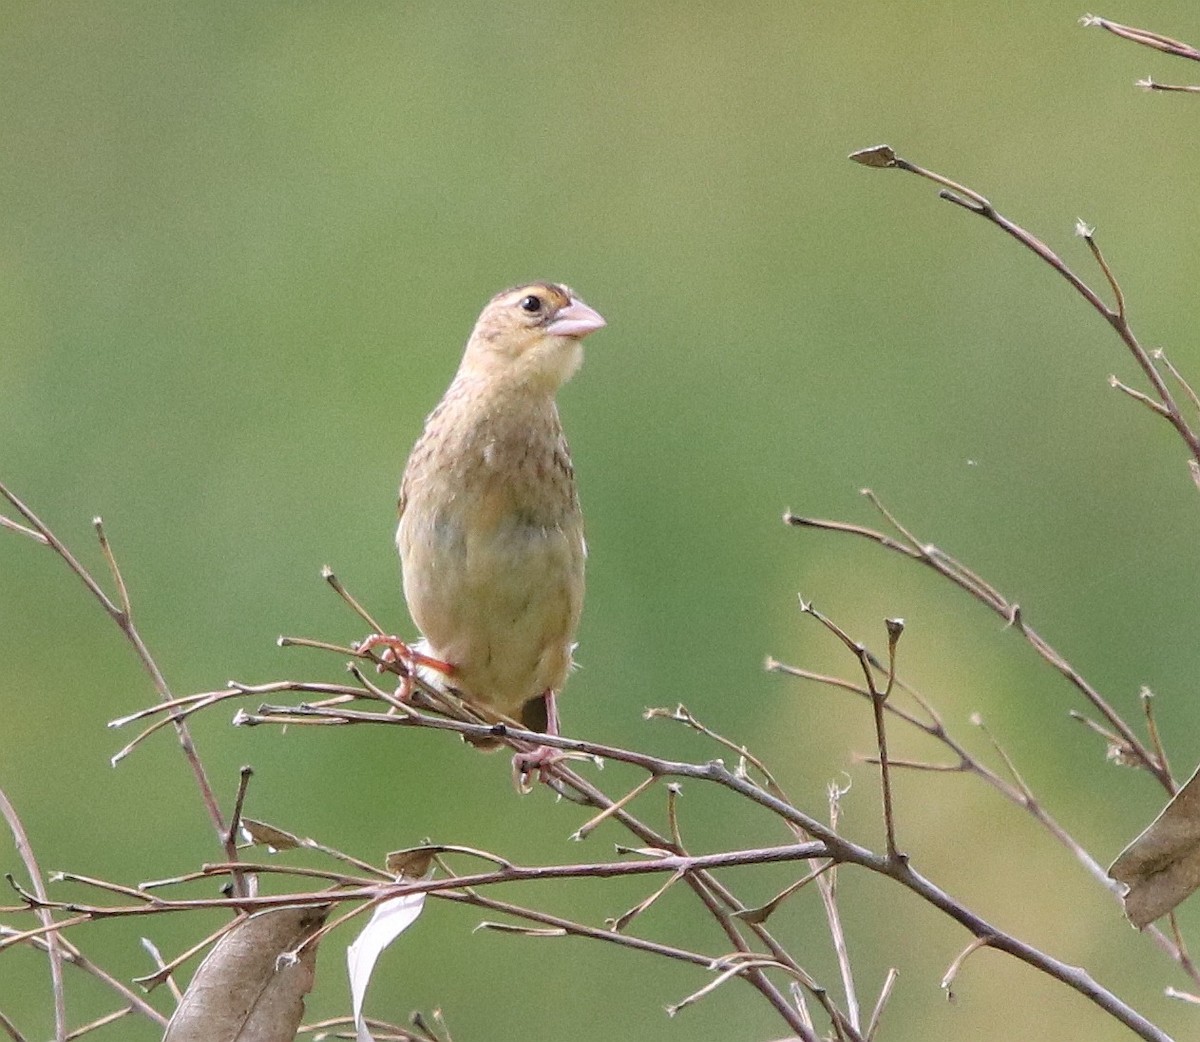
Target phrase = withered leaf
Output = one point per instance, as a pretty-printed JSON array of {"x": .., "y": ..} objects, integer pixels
[
  {"x": 877, "y": 156},
  {"x": 1162, "y": 866},
  {"x": 412, "y": 863},
  {"x": 264, "y": 835},
  {"x": 246, "y": 990}
]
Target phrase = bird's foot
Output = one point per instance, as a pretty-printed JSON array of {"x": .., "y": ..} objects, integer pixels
[
  {"x": 397, "y": 651},
  {"x": 534, "y": 762}
]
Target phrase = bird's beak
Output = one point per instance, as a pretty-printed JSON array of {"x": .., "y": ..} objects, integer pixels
[{"x": 576, "y": 319}]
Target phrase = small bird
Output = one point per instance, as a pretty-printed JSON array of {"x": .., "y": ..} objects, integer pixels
[{"x": 491, "y": 533}]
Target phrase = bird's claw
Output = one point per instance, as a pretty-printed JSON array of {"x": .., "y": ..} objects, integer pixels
[
  {"x": 537, "y": 761},
  {"x": 396, "y": 651}
]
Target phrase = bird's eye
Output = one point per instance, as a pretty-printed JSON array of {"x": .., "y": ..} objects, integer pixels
[{"x": 531, "y": 304}]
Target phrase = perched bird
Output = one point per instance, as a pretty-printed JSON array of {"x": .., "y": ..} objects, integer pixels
[{"x": 491, "y": 535}]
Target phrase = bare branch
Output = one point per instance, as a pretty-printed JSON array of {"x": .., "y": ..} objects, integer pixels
[
  {"x": 124, "y": 621},
  {"x": 1145, "y": 37},
  {"x": 948, "y": 567},
  {"x": 53, "y": 949},
  {"x": 883, "y": 156}
]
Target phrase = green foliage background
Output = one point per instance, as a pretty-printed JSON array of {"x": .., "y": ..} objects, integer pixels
[{"x": 243, "y": 246}]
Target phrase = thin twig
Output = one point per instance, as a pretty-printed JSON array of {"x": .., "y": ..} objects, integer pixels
[
  {"x": 592, "y": 824},
  {"x": 1159, "y": 355},
  {"x": 10, "y": 524},
  {"x": 237, "y": 876},
  {"x": 99, "y": 1022},
  {"x": 328, "y": 575},
  {"x": 1020, "y": 796},
  {"x": 885, "y": 993},
  {"x": 166, "y": 970},
  {"x": 827, "y": 886},
  {"x": 1145, "y": 37},
  {"x": 558, "y": 926},
  {"x": 895, "y": 627},
  {"x": 618, "y": 924},
  {"x": 764, "y": 911},
  {"x": 1146, "y": 697},
  {"x": 124, "y": 621},
  {"x": 72, "y": 956},
  {"x": 950, "y": 568},
  {"x": 951, "y": 973},
  {"x": 882, "y": 156},
  {"x": 53, "y": 948},
  {"x": 1137, "y": 396},
  {"x": 161, "y": 963},
  {"x": 10, "y": 1029}
]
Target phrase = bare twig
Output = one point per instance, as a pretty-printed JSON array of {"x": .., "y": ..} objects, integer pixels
[
  {"x": 53, "y": 949},
  {"x": 1145, "y": 37},
  {"x": 10, "y": 524},
  {"x": 10, "y": 1029},
  {"x": 951, "y": 973},
  {"x": 1019, "y": 793},
  {"x": 99, "y": 1022},
  {"x": 827, "y": 885},
  {"x": 1159, "y": 355},
  {"x": 878, "y": 696},
  {"x": 161, "y": 963},
  {"x": 618, "y": 924},
  {"x": 557, "y": 926},
  {"x": 883, "y": 156},
  {"x": 885, "y": 993},
  {"x": 1146, "y": 697},
  {"x": 950, "y": 568},
  {"x": 590, "y": 826},
  {"x": 72, "y": 956},
  {"x": 328, "y": 575},
  {"x": 121, "y": 615},
  {"x": 237, "y": 876}
]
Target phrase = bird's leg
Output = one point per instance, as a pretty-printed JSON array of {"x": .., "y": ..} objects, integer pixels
[
  {"x": 397, "y": 650},
  {"x": 542, "y": 757}
]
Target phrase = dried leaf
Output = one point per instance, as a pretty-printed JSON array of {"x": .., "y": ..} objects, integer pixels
[
  {"x": 390, "y": 920},
  {"x": 759, "y": 915},
  {"x": 882, "y": 156},
  {"x": 247, "y": 990},
  {"x": 413, "y": 863},
  {"x": 264, "y": 835},
  {"x": 524, "y": 931},
  {"x": 1162, "y": 866}
]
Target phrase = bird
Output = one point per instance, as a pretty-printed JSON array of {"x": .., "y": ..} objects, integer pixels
[{"x": 490, "y": 532}]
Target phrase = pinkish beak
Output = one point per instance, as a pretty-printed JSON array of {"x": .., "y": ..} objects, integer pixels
[{"x": 576, "y": 320}]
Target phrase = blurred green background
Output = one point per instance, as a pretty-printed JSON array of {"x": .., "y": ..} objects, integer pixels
[{"x": 243, "y": 245}]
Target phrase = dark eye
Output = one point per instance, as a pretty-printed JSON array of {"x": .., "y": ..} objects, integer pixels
[{"x": 531, "y": 304}]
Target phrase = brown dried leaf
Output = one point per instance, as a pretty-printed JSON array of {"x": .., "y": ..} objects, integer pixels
[
  {"x": 264, "y": 835},
  {"x": 412, "y": 863},
  {"x": 763, "y": 912},
  {"x": 247, "y": 990},
  {"x": 524, "y": 931},
  {"x": 758, "y": 915},
  {"x": 1162, "y": 866},
  {"x": 881, "y": 156}
]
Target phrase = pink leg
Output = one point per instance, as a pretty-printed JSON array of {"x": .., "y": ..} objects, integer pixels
[
  {"x": 542, "y": 757},
  {"x": 396, "y": 650}
]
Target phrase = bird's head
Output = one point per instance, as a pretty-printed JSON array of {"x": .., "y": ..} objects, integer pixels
[{"x": 531, "y": 335}]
